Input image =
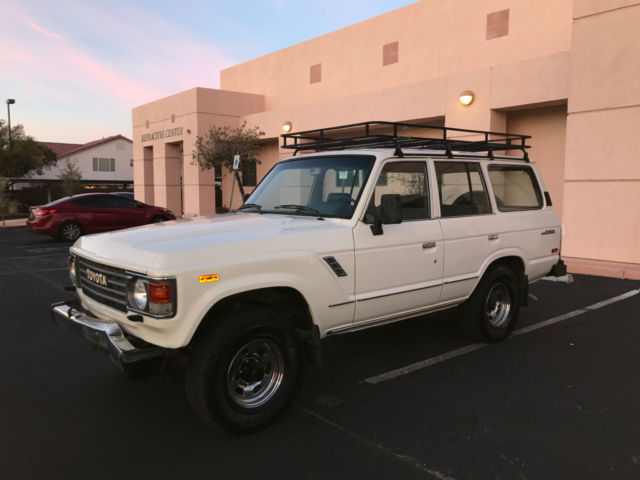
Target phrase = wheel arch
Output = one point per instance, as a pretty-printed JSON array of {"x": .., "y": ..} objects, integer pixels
[{"x": 288, "y": 304}]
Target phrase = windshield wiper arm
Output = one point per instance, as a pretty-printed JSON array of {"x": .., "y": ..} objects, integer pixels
[
  {"x": 253, "y": 206},
  {"x": 298, "y": 208}
]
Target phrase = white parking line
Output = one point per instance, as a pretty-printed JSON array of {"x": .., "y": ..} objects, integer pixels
[{"x": 476, "y": 346}]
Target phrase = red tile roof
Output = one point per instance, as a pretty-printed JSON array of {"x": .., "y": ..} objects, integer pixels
[
  {"x": 61, "y": 149},
  {"x": 66, "y": 149}
]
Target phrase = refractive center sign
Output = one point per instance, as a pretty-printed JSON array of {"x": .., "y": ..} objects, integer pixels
[{"x": 160, "y": 134}]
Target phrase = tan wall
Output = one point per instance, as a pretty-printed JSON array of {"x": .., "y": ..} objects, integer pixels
[
  {"x": 547, "y": 127},
  {"x": 437, "y": 38},
  {"x": 602, "y": 174}
]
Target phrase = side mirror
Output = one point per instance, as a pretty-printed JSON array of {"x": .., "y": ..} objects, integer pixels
[{"x": 391, "y": 209}]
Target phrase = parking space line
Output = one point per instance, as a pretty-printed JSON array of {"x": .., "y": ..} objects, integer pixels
[
  {"x": 403, "y": 458},
  {"x": 477, "y": 346}
]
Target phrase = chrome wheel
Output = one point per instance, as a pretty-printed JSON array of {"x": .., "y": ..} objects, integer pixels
[
  {"x": 498, "y": 305},
  {"x": 255, "y": 373},
  {"x": 70, "y": 231}
]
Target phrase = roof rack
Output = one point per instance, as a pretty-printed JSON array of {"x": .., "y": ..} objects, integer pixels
[{"x": 406, "y": 135}]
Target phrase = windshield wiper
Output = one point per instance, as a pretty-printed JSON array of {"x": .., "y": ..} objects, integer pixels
[
  {"x": 254, "y": 206},
  {"x": 298, "y": 208}
]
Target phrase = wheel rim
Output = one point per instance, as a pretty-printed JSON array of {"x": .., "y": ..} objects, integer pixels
[
  {"x": 70, "y": 231},
  {"x": 498, "y": 305},
  {"x": 255, "y": 373}
]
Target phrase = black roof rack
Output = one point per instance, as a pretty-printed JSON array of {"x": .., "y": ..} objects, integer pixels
[{"x": 406, "y": 135}]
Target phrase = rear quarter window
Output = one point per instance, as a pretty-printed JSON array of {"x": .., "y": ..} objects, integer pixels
[{"x": 515, "y": 188}]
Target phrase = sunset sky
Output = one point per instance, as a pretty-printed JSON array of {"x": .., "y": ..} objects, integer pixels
[{"x": 76, "y": 68}]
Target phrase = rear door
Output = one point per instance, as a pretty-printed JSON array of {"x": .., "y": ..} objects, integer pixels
[{"x": 400, "y": 271}]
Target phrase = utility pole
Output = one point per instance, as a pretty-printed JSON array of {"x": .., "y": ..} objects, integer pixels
[{"x": 9, "y": 101}]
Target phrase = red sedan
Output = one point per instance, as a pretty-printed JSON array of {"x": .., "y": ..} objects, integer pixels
[{"x": 70, "y": 217}]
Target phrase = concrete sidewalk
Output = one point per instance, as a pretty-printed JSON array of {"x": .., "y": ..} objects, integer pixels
[{"x": 14, "y": 222}]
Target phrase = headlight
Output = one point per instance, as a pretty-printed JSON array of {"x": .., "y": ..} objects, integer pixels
[
  {"x": 139, "y": 294},
  {"x": 153, "y": 297},
  {"x": 73, "y": 275}
]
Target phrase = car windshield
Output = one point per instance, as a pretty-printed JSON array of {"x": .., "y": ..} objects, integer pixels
[{"x": 318, "y": 186}]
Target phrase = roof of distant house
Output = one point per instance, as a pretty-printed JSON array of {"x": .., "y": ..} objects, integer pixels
[
  {"x": 60, "y": 149},
  {"x": 66, "y": 149}
]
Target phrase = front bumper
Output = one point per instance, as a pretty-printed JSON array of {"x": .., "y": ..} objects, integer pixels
[{"x": 108, "y": 337}]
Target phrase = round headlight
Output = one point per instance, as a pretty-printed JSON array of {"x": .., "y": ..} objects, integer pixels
[
  {"x": 72, "y": 271},
  {"x": 139, "y": 294}
]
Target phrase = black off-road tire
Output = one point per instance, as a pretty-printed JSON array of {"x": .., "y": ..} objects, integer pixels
[
  {"x": 70, "y": 231},
  {"x": 491, "y": 312},
  {"x": 246, "y": 346}
]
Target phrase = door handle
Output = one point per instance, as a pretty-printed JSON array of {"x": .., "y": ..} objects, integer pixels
[
  {"x": 548, "y": 232},
  {"x": 494, "y": 236},
  {"x": 429, "y": 245}
]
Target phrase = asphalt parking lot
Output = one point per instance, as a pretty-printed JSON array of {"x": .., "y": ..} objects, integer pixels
[{"x": 560, "y": 399}]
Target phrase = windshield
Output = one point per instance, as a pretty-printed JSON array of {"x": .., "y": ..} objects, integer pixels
[{"x": 319, "y": 186}]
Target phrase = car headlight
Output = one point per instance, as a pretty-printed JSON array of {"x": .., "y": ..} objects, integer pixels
[
  {"x": 73, "y": 273},
  {"x": 139, "y": 294},
  {"x": 154, "y": 297}
]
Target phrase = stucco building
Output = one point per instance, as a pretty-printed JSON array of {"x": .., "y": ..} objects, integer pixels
[{"x": 564, "y": 71}]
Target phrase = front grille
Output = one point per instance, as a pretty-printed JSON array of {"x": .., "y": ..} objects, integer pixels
[{"x": 104, "y": 284}]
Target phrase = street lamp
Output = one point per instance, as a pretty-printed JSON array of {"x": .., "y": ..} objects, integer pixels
[{"x": 9, "y": 101}]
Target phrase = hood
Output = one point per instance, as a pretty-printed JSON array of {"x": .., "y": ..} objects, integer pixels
[{"x": 163, "y": 247}]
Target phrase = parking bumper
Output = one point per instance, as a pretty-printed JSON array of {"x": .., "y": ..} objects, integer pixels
[{"x": 109, "y": 338}]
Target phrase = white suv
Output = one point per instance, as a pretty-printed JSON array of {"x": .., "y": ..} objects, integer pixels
[{"x": 328, "y": 243}]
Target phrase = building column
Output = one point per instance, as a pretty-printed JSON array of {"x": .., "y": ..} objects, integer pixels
[
  {"x": 143, "y": 170},
  {"x": 166, "y": 174}
]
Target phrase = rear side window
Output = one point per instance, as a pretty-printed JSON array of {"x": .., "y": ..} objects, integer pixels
[
  {"x": 100, "y": 201},
  {"x": 515, "y": 188},
  {"x": 461, "y": 189}
]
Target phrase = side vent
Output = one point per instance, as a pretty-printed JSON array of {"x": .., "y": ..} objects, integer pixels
[{"x": 335, "y": 266}]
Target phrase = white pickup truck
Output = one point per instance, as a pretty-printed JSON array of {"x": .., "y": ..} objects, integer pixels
[{"x": 329, "y": 242}]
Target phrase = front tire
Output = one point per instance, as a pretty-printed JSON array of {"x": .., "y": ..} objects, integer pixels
[
  {"x": 243, "y": 370},
  {"x": 158, "y": 219},
  {"x": 491, "y": 312}
]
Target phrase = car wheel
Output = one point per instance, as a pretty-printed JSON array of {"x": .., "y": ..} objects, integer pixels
[
  {"x": 492, "y": 310},
  {"x": 70, "y": 231},
  {"x": 244, "y": 370},
  {"x": 158, "y": 219}
]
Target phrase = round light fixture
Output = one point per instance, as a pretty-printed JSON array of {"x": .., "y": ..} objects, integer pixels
[
  {"x": 466, "y": 97},
  {"x": 286, "y": 127}
]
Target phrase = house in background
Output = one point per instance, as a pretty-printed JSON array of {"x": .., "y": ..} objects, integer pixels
[{"x": 106, "y": 165}]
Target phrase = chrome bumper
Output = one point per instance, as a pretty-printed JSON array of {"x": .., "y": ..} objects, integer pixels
[{"x": 109, "y": 337}]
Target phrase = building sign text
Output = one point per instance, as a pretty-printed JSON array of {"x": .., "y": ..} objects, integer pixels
[{"x": 160, "y": 134}]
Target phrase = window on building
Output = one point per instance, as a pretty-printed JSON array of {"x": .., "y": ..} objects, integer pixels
[
  {"x": 515, "y": 188},
  {"x": 389, "y": 53},
  {"x": 315, "y": 73},
  {"x": 104, "y": 164},
  {"x": 497, "y": 24},
  {"x": 249, "y": 173},
  {"x": 461, "y": 189}
]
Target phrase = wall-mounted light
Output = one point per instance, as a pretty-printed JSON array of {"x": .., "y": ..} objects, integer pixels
[
  {"x": 286, "y": 127},
  {"x": 466, "y": 97}
]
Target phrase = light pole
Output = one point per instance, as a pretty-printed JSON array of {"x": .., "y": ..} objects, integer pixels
[{"x": 9, "y": 101}]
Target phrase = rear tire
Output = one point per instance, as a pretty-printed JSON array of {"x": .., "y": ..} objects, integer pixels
[
  {"x": 243, "y": 370},
  {"x": 70, "y": 231},
  {"x": 491, "y": 312}
]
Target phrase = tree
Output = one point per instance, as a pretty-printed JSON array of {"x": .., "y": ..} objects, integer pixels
[
  {"x": 5, "y": 201},
  {"x": 70, "y": 177},
  {"x": 25, "y": 157},
  {"x": 217, "y": 148}
]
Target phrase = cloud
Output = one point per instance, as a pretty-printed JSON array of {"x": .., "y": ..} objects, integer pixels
[{"x": 38, "y": 28}]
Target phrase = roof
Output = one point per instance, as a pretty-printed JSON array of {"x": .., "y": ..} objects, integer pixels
[
  {"x": 95, "y": 143},
  {"x": 61, "y": 149}
]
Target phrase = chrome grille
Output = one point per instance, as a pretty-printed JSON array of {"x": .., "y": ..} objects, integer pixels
[{"x": 104, "y": 284}]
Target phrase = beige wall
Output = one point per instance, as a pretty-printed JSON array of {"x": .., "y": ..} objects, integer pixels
[
  {"x": 602, "y": 172},
  {"x": 566, "y": 73}
]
